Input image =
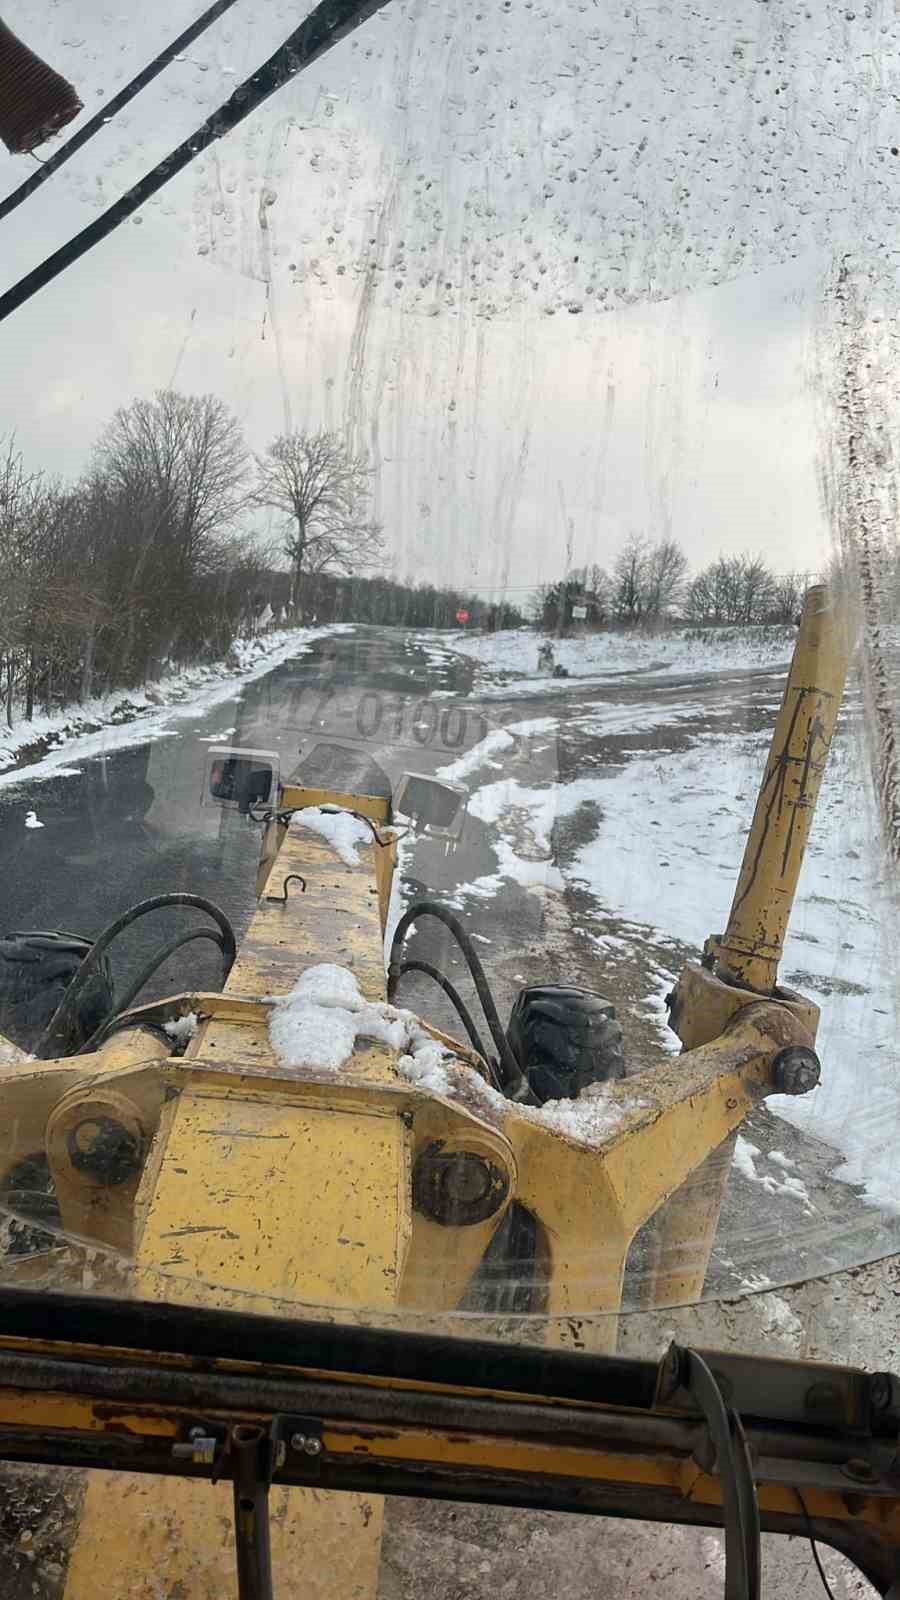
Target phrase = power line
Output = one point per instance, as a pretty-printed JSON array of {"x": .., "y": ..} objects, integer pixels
[
  {"x": 109, "y": 109},
  {"x": 329, "y": 22}
]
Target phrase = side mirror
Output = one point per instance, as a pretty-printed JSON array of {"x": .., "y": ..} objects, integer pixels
[
  {"x": 239, "y": 779},
  {"x": 432, "y": 805}
]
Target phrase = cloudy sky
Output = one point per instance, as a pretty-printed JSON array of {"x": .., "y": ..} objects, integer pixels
[{"x": 560, "y": 268}]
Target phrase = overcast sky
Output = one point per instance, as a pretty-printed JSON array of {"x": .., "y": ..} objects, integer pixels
[{"x": 558, "y": 267}]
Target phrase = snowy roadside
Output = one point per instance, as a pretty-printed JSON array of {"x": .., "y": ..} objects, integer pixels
[
  {"x": 128, "y": 717},
  {"x": 515, "y": 651}
]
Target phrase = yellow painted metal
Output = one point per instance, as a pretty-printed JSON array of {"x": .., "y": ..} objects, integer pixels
[
  {"x": 684, "y": 1231},
  {"x": 592, "y": 1198},
  {"x": 45, "y": 1105},
  {"x": 256, "y": 1194},
  {"x": 750, "y": 949},
  {"x": 744, "y": 962},
  {"x": 145, "y": 1537},
  {"x": 260, "y": 1192},
  {"x": 336, "y": 919},
  {"x": 702, "y": 1005},
  {"x": 614, "y": 1460},
  {"x": 385, "y": 866}
]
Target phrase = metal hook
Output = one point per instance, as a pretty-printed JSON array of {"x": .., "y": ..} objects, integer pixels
[{"x": 281, "y": 899}]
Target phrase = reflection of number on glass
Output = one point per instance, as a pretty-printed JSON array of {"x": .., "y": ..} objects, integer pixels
[
  {"x": 423, "y": 732},
  {"x": 368, "y": 732},
  {"x": 453, "y": 741}
]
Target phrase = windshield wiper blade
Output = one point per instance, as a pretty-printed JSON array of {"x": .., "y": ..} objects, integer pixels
[
  {"x": 108, "y": 110},
  {"x": 326, "y": 25}
]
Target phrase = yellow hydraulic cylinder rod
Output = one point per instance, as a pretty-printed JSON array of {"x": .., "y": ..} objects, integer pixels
[{"x": 751, "y": 947}]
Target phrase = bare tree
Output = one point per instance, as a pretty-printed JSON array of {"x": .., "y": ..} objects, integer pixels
[
  {"x": 173, "y": 471},
  {"x": 629, "y": 583},
  {"x": 664, "y": 578},
  {"x": 788, "y": 591},
  {"x": 322, "y": 490},
  {"x": 733, "y": 589},
  {"x": 756, "y": 584},
  {"x": 647, "y": 578},
  {"x": 183, "y": 459}
]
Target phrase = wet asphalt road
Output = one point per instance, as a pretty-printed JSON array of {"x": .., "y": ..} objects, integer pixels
[{"x": 130, "y": 824}]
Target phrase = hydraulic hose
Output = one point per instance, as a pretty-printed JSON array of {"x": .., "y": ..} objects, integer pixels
[
  {"x": 147, "y": 972},
  {"x": 456, "y": 1000},
  {"x": 513, "y": 1082},
  {"x": 55, "y": 1034}
]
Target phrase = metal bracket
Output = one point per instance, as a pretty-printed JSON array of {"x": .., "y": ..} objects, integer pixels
[{"x": 251, "y": 1455}]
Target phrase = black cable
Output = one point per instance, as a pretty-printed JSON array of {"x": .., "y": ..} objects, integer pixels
[
  {"x": 513, "y": 1082},
  {"x": 100, "y": 1034},
  {"x": 740, "y": 1508},
  {"x": 56, "y": 1030},
  {"x": 340, "y": 811},
  {"x": 456, "y": 1000},
  {"x": 109, "y": 109},
  {"x": 329, "y": 22},
  {"x": 814, "y": 1547}
]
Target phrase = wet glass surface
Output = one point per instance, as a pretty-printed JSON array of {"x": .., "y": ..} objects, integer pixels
[{"x": 479, "y": 406}]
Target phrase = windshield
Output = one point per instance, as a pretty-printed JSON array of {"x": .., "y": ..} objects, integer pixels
[{"x": 429, "y": 436}]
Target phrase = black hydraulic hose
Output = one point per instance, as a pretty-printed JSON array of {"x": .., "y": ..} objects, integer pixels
[
  {"x": 54, "y": 1034},
  {"x": 110, "y": 107},
  {"x": 134, "y": 988},
  {"x": 511, "y": 1073},
  {"x": 456, "y": 1000},
  {"x": 328, "y": 23}
]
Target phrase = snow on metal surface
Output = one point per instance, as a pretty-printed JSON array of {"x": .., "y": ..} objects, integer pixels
[
  {"x": 342, "y": 831},
  {"x": 182, "y": 1029},
  {"x": 317, "y": 1023}
]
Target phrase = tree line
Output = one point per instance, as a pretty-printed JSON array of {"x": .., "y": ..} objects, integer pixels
[
  {"x": 332, "y": 597},
  {"x": 650, "y": 581},
  {"x": 151, "y": 557}
]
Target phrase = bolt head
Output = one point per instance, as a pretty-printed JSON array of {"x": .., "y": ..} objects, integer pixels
[
  {"x": 305, "y": 1444},
  {"x": 795, "y": 1070}
]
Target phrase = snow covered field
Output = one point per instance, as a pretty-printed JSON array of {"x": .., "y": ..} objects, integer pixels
[
  {"x": 515, "y": 651},
  {"x": 128, "y": 717},
  {"x": 669, "y": 826}
]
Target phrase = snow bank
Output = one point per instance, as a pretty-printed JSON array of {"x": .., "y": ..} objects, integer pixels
[
  {"x": 129, "y": 717},
  {"x": 681, "y": 650},
  {"x": 342, "y": 831}
]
